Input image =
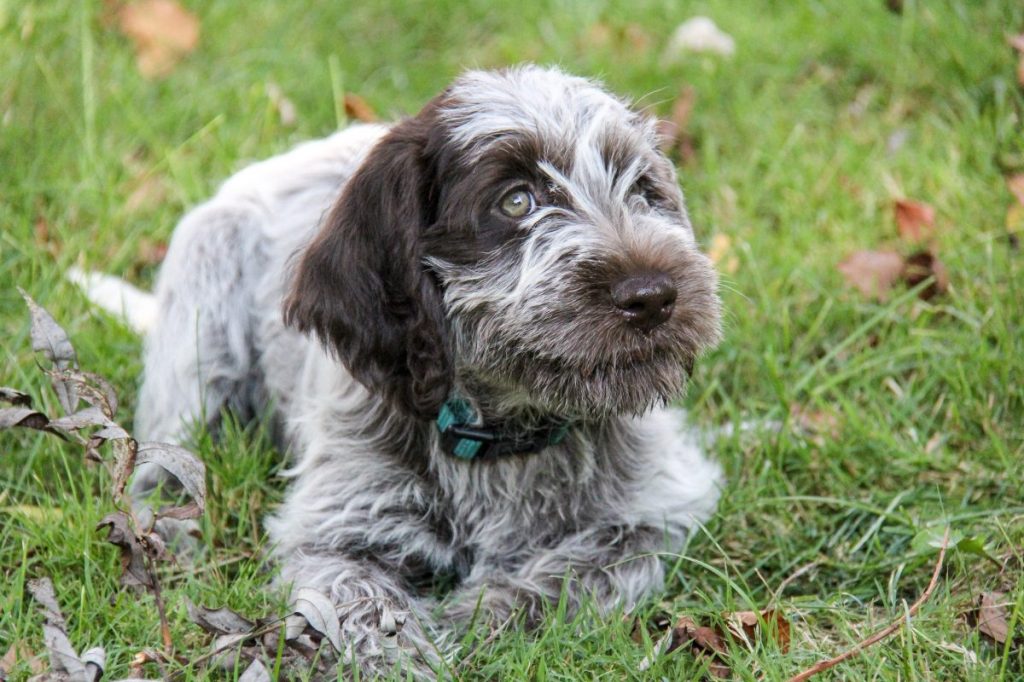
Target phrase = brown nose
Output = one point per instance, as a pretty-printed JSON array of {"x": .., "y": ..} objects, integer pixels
[{"x": 645, "y": 300}]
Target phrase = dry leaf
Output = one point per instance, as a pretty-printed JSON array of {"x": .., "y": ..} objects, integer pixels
[
  {"x": 1015, "y": 183},
  {"x": 134, "y": 570},
  {"x": 318, "y": 612},
  {"x": 24, "y": 417},
  {"x": 720, "y": 254},
  {"x": 184, "y": 466},
  {"x": 992, "y": 617},
  {"x": 256, "y": 672},
  {"x": 15, "y": 397},
  {"x": 915, "y": 220},
  {"x": 162, "y": 32},
  {"x": 285, "y": 107},
  {"x": 873, "y": 273},
  {"x": 222, "y": 621},
  {"x": 20, "y": 653},
  {"x": 922, "y": 265},
  {"x": 356, "y": 107},
  {"x": 50, "y": 339},
  {"x": 747, "y": 627},
  {"x": 672, "y": 132},
  {"x": 149, "y": 192}
]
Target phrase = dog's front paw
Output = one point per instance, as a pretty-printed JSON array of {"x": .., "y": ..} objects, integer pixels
[{"x": 497, "y": 602}]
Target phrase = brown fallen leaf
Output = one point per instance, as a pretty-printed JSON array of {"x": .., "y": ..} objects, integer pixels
[
  {"x": 873, "y": 273},
  {"x": 814, "y": 423},
  {"x": 134, "y": 569},
  {"x": 358, "y": 108},
  {"x": 162, "y": 31},
  {"x": 1015, "y": 183},
  {"x": 150, "y": 252},
  {"x": 991, "y": 617},
  {"x": 672, "y": 131},
  {"x": 286, "y": 111},
  {"x": 720, "y": 253},
  {"x": 747, "y": 627},
  {"x": 19, "y": 653},
  {"x": 50, "y": 339},
  {"x": 1017, "y": 43},
  {"x": 914, "y": 219},
  {"x": 148, "y": 192},
  {"x": 15, "y": 397},
  {"x": 918, "y": 267}
]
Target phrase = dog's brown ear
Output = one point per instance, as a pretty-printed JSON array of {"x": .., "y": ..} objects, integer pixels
[{"x": 361, "y": 286}]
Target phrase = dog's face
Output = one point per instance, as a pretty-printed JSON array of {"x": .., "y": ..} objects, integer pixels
[{"x": 522, "y": 236}]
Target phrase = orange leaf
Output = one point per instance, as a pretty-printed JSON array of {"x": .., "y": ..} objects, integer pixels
[
  {"x": 162, "y": 32},
  {"x": 1015, "y": 183},
  {"x": 356, "y": 107},
  {"x": 915, "y": 220},
  {"x": 873, "y": 273}
]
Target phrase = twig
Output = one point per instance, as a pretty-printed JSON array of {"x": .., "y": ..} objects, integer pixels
[
  {"x": 827, "y": 663},
  {"x": 793, "y": 577}
]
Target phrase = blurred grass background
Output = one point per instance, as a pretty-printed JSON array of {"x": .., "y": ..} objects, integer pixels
[{"x": 827, "y": 112}]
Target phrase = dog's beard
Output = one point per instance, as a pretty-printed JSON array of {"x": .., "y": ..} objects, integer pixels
[{"x": 589, "y": 380}]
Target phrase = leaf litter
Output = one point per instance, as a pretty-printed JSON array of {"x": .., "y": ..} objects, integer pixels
[
  {"x": 312, "y": 619},
  {"x": 875, "y": 273}
]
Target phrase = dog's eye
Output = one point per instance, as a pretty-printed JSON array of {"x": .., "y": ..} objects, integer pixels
[{"x": 517, "y": 203}]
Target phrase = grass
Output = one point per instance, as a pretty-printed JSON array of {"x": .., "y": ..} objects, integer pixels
[{"x": 924, "y": 401}]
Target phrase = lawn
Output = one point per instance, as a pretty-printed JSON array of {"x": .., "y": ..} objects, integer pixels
[{"x": 876, "y": 423}]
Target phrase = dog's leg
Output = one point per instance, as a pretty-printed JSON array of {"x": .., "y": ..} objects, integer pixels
[
  {"x": 617, "y": 563},
  {"x": 613, "y": 566},
  {"x": 198, "y": 358},
  {"x": 385, "y": 629}
]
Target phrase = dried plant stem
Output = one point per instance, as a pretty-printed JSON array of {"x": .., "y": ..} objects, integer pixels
[{"x": 828, "y": 663}]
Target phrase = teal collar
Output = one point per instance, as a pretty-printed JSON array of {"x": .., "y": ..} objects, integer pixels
[{"x": 464, "y": 435}]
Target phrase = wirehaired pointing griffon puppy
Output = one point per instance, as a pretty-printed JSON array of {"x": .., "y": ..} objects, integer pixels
[{"x": 469, "y": 326}]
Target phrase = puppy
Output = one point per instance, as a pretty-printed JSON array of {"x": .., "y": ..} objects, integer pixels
[{"x": 468, "y": 326}]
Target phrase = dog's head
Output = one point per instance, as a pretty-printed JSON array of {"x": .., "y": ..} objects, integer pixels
[{"x": 521, "y": 236}]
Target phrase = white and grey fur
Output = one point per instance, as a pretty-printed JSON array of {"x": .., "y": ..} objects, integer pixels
[{"x": 402, "y": 285}]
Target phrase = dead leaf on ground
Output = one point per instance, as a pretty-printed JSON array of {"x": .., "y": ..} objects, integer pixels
[
  {"x": 65, "y": 663},
  {"x": 222, "y": 621},
  {"x": 151, "y": 252},
  {"x": 720, "y": 253},
  {"x": 815, "y": 424},
  {"x": 50, "y": 339},
  {"x": 148, "y": 191},
  {"x": 13, "y": 396},
  {"x": 285, "y": 108},
  {"x": 20, "y": 653},
  {"x": 314, "y": 609},
  {"x": 746, "y": 628},
  {"x": 914, "y": 219},
  {"x": 991, "y": 616},
  {"x": 162, "y": 31},
  {"x": 358, "y": 108},
  {"x": 921, "y": 266},
  {"x": 673, "y": 131},
  {"x": 23, "y": 417},
  {"x": 256, "y": 672},
  {"x": 749, "y": 627},
  {"x": 184, "y": 466},
  {"x": 1017, "y": 43},
  {"x": 134, "y": 570},
  {"x": 873, "y": 273}
]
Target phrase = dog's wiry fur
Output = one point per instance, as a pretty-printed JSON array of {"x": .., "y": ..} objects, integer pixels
[{"x": 407, "y": 287}]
